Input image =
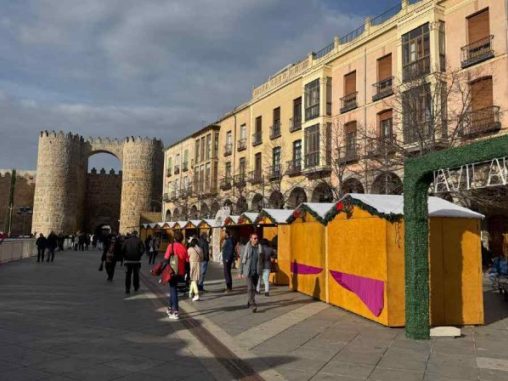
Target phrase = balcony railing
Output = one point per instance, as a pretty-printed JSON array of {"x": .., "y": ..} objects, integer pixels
[
  {"x": 349, "y": 155},
  {"x": 185, "y": 166},
  {"x": 295, "y": 124},
  {"x": 416, "y": 69},
  {"x": 382, "y": 146},
  {"x": 383, "y": 89},
  {"x": 294, "y": 167},
  {"x": 257, "y": 138},
  {"x": 242, "y": 144},
  {"x": 417, "y": 132},
  {"x": 275, "y": 172},
  {"x": 176, "y": 169},
  {"x": 477, "y": 52},
  {"x": 348, "y": 102},
  {"x": 187, "y": 191},
  {"x": 481, "y": 121},
  {"x": 168, "y": 172},
  {"x": 165, "y": 197},
  {"x": 226, "y": 183},
  {"x": 275, "y": 130},
  {"x": 240, "y": 180},
  {"x": 312, "y": 112},
  {"x": 256, "y": 177},
  {"x": 173, "y": 195},
  {"x": 228, "y": 149}
]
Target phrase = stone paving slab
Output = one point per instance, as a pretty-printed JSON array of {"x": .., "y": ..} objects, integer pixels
[{"x": 63, "y": 321}]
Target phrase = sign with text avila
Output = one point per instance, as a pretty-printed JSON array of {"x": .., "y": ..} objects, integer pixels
[{"x": 485, "y": 174}]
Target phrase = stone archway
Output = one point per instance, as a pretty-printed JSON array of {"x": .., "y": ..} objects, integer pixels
[
  {"x": 276, "y": 200},
  {"x": 167, "y": 216},
  {"x": 176, "y": 214},
  {"x": 257, "y": 203},
  {"x": 193, "y": 213},
  {"x": 418, "y": 175},
  {"x": 60, "y": 192},
  {"x": 296, "y": 197},
  {"x": 387, "y": 183},
  {"x": 352, "y": 185},
  {"x": 322, "y": 193},
  {"x": 204, "y": 211},
  {"x": 241, "y": 205},
  {"x": 214, "y": 209}
]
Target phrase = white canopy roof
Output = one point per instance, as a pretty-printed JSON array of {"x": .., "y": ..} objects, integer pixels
[
  {"x": 279, "y": 216},
  {"x": 320, "y": 208},
  {"x": 251, "y": 216},
  {"x": 394, "y": 204}
]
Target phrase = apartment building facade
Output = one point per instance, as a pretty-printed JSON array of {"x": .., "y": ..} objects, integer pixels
[{"x": 424, "y": 75}]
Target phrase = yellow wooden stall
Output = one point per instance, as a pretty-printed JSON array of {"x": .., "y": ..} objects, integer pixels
[
  {"x": 365, "y": 241},
  {"x": 275, "y": 221},
  {"x": 307, "y": 242}
]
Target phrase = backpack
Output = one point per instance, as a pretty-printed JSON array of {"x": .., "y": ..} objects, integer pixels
[{"x": 173, "y": 260}]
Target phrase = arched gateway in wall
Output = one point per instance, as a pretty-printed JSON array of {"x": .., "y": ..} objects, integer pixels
[{"x": 62, "y": 166}]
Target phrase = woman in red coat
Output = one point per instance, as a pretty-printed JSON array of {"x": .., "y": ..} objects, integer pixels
[{"x": 177, "y": 249}]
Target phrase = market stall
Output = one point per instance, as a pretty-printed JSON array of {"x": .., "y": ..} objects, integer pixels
[
  {"x": 273, "y": 223},
  {"x": 307, "y": 242},
  {"x": 365, "y": 260}
]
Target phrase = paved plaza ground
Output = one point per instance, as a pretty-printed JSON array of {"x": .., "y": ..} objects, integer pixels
[{"x": 63, "y": 321}]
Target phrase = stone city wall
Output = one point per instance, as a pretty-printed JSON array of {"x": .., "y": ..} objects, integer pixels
[{"x": 24, "y": 189}]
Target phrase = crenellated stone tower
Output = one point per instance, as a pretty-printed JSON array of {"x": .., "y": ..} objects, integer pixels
[{"x": 62, "y": 166}]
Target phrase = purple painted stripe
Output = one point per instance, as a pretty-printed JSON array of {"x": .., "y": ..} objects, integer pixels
[
  {"x": 299, "y": 268},
  {"x": 370, "y": 291}
]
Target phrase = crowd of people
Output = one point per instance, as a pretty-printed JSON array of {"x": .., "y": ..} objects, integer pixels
[{"x": 188, "y": 260}]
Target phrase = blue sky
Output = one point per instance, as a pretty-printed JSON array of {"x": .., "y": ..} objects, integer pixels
[{"x": 155, "y": 68}]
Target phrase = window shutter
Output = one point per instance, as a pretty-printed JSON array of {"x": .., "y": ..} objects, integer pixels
[
  {"x": 478, "y": 26},
  {"x": 350, "y": 83},
  {"x": 384, "y": 67},
  {"x": 481, "y": 94}
]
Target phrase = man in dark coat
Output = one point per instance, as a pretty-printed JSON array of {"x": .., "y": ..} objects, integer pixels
[
  {"x": 41, "y": 243},
  {"x": 132, "y": 249},
  {"x": 52, "y": 245},
  {"x": 205, "y": 248},
  {"x": 228, "y": 256}
]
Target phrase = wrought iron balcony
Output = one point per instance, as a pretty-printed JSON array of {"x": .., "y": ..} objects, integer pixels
[
  {"x": 312, "y": 160},
  {"x": 174, "y": 195},
  {"x": 348, "y": 102},
  {"x": 477, "y": 52},
  {"x": 383, "y": 89},
  {"x": 240, "y": 180},
  {"x": 382, "y": 146},
  {"x": 176, "y": 169},
  {"x": 275, "y": 130},
  {"x": 348, "y": 155},
  {"x": 228, "y": 149},
  {"x": 168, "y": 172},
  {"x": 275, "y": 172},
  {"x": 226, "y": 183},
  {"x": 165, "y": 197},
  {"x": 295, "y": 124},
  {"x": 257, "y": 138},
  {"x": 417, "y": 132},
  {"x": 416, "y": 69},
  {"x": 256, "y": 177},
  {"x": 185, "y": 166},
  {"x": 187, "y": 191},
  {"x": 294, "y": 167},
  {"x": 481, "y": 121},
  {"x": 241, "y": 144}
]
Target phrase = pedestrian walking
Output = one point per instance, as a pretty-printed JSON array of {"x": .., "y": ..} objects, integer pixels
[
  {"x": 110, "y": 258},
  {"x": 41, "y": 243},
  {"x": 228, "y": 256},
  {"x": 177, "y": 250},
  {"x": 61, "y": 239},
  {"x": 267, "y": 254},
  {"x": 150, "y": 247},
  {"x": 52, "y": 244},
  {"x": 251, "y": 266},
  {"x": 205, "y": 248},
  {"x": 81, "y": 242},
  {"x": 132, "y": 250},
  {"x": 195, "y": 258}
]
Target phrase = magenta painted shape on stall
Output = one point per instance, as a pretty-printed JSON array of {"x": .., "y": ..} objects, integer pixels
[
  {"x": 299, "y": 268},
  {"x": 370, "y": 291}
]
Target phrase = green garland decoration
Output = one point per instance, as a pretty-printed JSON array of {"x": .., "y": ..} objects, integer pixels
[
  {"x": 391, "y": 217},
  {"x": 418, "y": 174},
  {"x": 305, "y": 208}
]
